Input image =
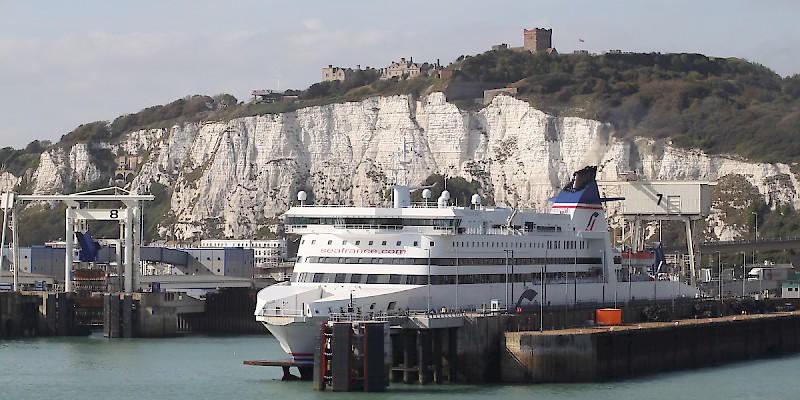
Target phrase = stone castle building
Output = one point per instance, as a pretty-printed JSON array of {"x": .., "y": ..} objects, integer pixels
[
  {"x": 401, "y": 69},
  {"x": 331, "y": 73},
  {"x": 127, "y": 168},
  {"x": 537, "y": 40}
]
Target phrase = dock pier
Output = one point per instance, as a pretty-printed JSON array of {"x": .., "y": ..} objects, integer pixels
[
  {"x": 418, "y": 346},
  {"x": 121, "y": 315},
  {"x": 616, "y": 352},
  {"x": 531, "y": 347}
]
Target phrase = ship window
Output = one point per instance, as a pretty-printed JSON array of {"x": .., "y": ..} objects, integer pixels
[
  {"x": 314, "y": 241},
  {"x": 394, "y": 278},
  {"x": 398, "y": 243},
  {"x": 358, "y": 242},
  {"x": 355, "y": 278},
  {"x": 372, "y": 278},
  {"x": 339, "y": 278},
  {"x": 344, "y": 242},
  {"x": 383, "y": 243},
  {"x": 391, "y": 305},
  {"x": 330, "y": 242},
  {"x": 318, "y": 277},
  {"x": 416, "y": 243},
  {"x": 303, "y": 241},
  {"x": 370, "y": 242},
  {"x": 431, "y": 244}
]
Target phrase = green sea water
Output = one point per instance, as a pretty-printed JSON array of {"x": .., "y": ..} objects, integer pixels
[{"x": 208, "y": 367}]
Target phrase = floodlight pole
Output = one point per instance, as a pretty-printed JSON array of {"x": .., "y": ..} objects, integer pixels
[{"x": 69, "y": 242}]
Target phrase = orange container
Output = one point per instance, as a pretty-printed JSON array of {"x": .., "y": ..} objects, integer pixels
[{"x": 609, "y": 316}]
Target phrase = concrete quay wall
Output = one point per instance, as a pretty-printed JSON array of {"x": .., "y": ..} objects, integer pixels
[
  {"x": 18, "y": 315},
  {"x": 604, "y": 353},
  {"x": 479, "y": 347}
]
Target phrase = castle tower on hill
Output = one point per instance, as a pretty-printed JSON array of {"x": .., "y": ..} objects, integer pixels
[{"x": 537, "y": 40}]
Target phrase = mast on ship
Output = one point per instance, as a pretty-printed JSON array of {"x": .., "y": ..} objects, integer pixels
[{"x": 401, "y": 192}]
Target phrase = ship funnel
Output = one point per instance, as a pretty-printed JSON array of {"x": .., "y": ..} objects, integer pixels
[
  {"x": 402, "y": 196},
  {"x": 584, "y": 177}
]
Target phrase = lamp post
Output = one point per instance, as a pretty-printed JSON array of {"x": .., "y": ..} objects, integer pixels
[
  {"x": 744, "y": 270},
  {"x": 719, "y": 266},
  {"x": 428, "y": 309},
  {"x": 544, "y": 293},
  {"x": 507, "y": 251},
  {"x": 603, "y": 257},
  {"x": 458, "y": 306},
  {"x": 755, "y": 226}
]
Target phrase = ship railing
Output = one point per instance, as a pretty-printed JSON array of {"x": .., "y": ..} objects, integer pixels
[
  {"x": 280, "y": 312},
  {"x": 386, "y": 316},
  {"x": 441, "y": 313},
  {"x": 491, "y": 231},
  {"x": 354, "y": 316},
  {"x": 367, "y": 226},
  {"x": 437, "y": 230}
]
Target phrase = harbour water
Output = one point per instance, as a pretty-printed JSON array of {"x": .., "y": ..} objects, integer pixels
[{"x": 208, "y": 367}]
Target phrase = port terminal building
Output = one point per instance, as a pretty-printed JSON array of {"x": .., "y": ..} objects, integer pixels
[{"x": 178, "y": 268}]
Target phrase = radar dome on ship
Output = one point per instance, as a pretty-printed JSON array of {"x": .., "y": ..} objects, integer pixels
[
  {"x": 426, "y": 194},
  {"x": 443, "y": 199},
  {"x": 302, "y": 196},
  {"x": 476, "y": 199}
]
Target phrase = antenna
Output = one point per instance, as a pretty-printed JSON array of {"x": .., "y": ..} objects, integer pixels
[
  {"x": 401, "y": 171},
  {"x": 278, "y": 77}
]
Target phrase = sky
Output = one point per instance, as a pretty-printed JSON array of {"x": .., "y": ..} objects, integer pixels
[{"x": 65, "y": 63}]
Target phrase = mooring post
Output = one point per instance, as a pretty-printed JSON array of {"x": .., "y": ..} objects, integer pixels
[
  {"x": 374, "y": 372},
  {"x": 424, "y": 354},
  {"x": 452, "y": 355},
  {"x": 341, "y": 357},
  {"x": 64, "y": 311},
  {"x": 408, "y": 353},
  {"x": 127, "y": 316},
  {"x": 437, "y": 355}
]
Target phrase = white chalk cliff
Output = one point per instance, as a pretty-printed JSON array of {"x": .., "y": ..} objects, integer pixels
[{"x": 230, "y": 179}]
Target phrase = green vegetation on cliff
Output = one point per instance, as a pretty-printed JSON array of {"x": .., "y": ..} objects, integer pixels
[
  {"x": 719, "y": 105},
  {"x": 715, "y": 104}
]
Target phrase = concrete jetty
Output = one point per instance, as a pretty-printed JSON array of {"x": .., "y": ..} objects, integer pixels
[{"x": 614, "y": 352}]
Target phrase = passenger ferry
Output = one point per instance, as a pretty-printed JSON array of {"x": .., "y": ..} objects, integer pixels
[{"x": 374, "y": 261}]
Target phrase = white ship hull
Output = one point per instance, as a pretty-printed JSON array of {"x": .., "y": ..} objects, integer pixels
[
  {"x": 366, "y": 262},
  {"x": 298, "y": 334}
]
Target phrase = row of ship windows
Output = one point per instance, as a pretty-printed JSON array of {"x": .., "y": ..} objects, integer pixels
[
  {"x": 454, "y": 261},
  {"x": 376, "y": 221},
  {"x": 369, "y": 243},
  {"x": 551, "y": 244},
  {"x": 449, "y": 279}
]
